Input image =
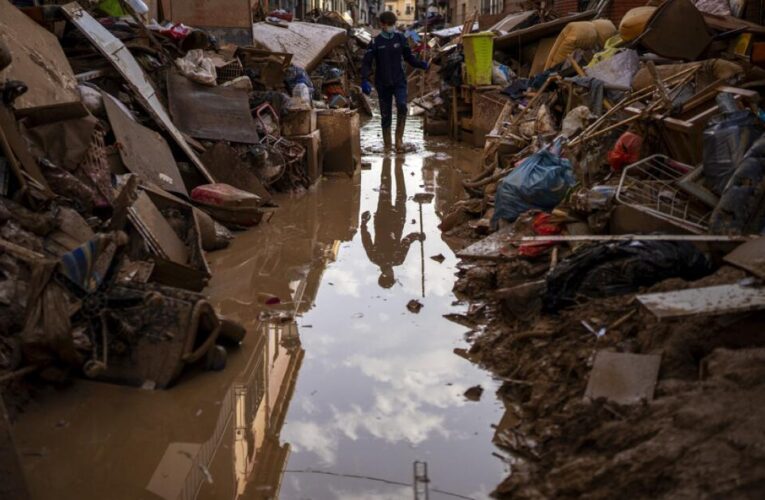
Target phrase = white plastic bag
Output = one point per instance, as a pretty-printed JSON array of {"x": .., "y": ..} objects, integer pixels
[{"x": 196, "y": 67}]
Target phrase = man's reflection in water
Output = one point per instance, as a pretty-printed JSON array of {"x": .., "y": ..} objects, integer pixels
[{"x": 389, "y": 250}]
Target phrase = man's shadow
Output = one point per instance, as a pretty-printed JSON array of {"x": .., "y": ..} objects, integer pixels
[{"x": 389, "y": 250}]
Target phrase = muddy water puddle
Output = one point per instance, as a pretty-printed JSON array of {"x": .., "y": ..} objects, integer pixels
[{"x": 338, "y": 388}]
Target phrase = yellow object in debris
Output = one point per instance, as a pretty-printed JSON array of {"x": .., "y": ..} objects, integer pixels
[
  {"x": 111, "y": 8},
  {"x": 479, "y": 57},
  {"x": 610, "y": 49},
  {"x": 605, "y": 29},
  {"x": 579, "y": 35},
  {"x": 634, "y": 22}
]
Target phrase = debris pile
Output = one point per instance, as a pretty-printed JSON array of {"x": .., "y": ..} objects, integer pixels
[
  {"x": 611, "y": 247},
  {"x": 128, "y": 149}
]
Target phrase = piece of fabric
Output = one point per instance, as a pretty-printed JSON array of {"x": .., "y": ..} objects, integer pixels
[
  {"x": 86, "y": 265},
  {"x": 386, "y": 95},
  {"x": 388, "y": 55},
  {"x": 595, "y": 95}
]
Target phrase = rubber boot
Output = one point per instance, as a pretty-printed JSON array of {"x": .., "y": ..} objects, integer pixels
[
  {"x": 386, "y": 138},
  {"x": 400, "y": 126}
]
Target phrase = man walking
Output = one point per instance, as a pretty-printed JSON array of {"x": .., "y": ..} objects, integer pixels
[{"x": 387, "y": 51}]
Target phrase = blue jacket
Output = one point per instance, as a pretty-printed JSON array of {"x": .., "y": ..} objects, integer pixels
[{"x": 387, "y": 55}]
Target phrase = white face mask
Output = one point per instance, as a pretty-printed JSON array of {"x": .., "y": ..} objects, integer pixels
[{"x": 390, "y": 29}]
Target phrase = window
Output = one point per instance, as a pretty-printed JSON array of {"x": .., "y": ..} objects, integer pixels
[
  {"x": 492, "y": 6},
  {"x": 408, "y": 9},
  {"x": 389, "y": 6}
]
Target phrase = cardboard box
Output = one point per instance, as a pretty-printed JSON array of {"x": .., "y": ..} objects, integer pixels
[
  {"x": 340, "y": 140},
  {"x": 313, "y": 153},
  {"x": 298, "y": 122}
]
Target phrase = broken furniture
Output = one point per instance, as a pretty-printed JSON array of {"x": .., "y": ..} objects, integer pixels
[
  {"x": 212, "y": 113},
  {"x": 175, "y": 249},
  {"x": 124, "y": 62},
  {"x": 340, "y": 140},
  {"x": 307, "y": 42},
  {"x": 143, "y": 151},
  {"x": 314, "y": 154}
]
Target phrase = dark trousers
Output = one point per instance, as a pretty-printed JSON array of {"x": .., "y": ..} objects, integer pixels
[{"x": 386, "y": 95}]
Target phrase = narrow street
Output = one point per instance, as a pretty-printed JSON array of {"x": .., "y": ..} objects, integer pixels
[
  {"x": 337, "y": 389},
  {"x": 367, "y": 250}
]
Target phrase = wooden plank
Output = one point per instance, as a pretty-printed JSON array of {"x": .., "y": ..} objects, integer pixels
[
  {"x": 707, "y": 301},
  {"x": 631, "y": 237},
  {"x": 38, "y": 60},
  {"x": 544, "y": 47},
  {"x": 152, "y": 224},
  {"x": 750, "y": 256}
]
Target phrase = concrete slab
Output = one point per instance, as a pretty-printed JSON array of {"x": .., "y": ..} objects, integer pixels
[{"x": 623, "y": 378}]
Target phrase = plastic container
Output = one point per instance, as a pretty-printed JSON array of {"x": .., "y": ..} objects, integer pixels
[
  {"x": 302, "y": 92},
  {"x": 479, "y": 57}
]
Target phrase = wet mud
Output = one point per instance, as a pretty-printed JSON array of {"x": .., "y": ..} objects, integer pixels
[
  {"x": 698, "y": 438},
  {"x": 337, "y": 388}
]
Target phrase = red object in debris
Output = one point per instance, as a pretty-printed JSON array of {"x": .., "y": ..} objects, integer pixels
[
  {"x": 542, "y": 227},
  {"x": 177, "y": 32},
  {"x": 334, "y": 89},
  {"x": 281, "y": 14},
  {"x": 224, "y": 195},
  {"x": 626, "y": 151}
]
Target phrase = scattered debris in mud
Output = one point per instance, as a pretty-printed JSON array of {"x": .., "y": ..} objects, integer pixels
[
  {"x": 474, "y": 393},
  {"x": 414, "y": 306}
]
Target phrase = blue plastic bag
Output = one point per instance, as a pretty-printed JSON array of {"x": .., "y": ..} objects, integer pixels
[{"x": 541, "y": 181}]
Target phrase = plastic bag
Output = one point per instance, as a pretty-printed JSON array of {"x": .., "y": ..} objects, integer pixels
[
  {"x": 295, "y": 75},
  {"x": 302, "y": 93},
  {"x": 575, "y": 121},
  {"x": 741, "y": 209},
  {"x": 198, "y": 68},
  {"x": 605, "y": 270},
  {"x": 726, "y": 141},
  {"x": 617, "y": 71},
  {"x": 541, "y": 181},
  {"x": 541, "y": 226},
  {"x": 626, "y": 151},
  {"x": 501, "y": 75}
]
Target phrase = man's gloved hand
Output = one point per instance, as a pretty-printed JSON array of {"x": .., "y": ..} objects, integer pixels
[{"x": 366, "y": 87}]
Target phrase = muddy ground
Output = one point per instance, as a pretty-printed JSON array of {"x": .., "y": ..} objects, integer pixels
[{"x": 703, "y": 434}]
